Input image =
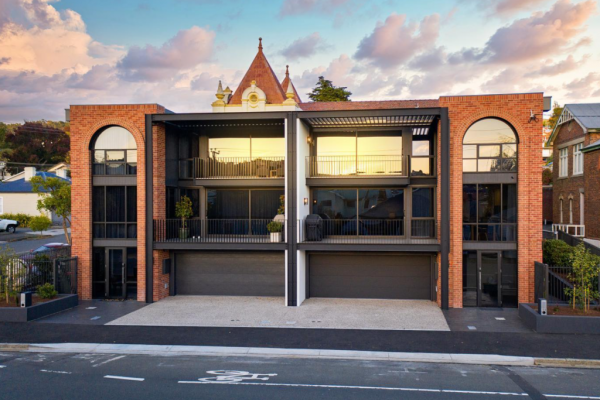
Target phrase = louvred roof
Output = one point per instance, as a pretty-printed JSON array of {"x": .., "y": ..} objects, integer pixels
[{"x": 367, "y": 105}]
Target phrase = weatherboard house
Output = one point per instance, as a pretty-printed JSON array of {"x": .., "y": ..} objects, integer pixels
[{"x": 437, "y": 200}]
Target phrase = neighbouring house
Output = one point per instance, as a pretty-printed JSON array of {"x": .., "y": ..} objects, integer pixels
[
  {"x": 17, "y": 196},
  {"x": 61, "y": 169},
  {"x": 437, "y": 199},
  {"x": 576, "y": 173}
]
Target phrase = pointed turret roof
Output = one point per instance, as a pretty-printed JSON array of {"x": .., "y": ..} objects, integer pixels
[
  {"x": 260, "y": 71},
  {"x": 287, "y": 81}
]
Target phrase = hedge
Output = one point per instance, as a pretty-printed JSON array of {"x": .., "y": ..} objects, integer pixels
[
  {"x": 23, "y": 219},
  {"x": 557, "y": 253}
]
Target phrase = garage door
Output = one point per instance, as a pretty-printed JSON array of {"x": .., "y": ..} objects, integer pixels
[
  {"x": 230, "y": 274},
  {"x": 370, "y": 276}
]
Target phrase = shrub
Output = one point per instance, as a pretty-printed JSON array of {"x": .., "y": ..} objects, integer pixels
[
  {"x": 275, "y": 227},
  {"x": 46, "y": 291},
  {"x": 557, "y": 253},
  {"x": 584, "y": 276},
  {"x": 23, "y": 219},
  {"x": 40, "y": 223}
]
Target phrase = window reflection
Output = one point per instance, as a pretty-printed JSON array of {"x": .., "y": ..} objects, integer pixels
[
  {"x": 490, "y": 212},
  {"x": 114, "y": 152},
  {"x": 490, "y": 145},
  {"x": 246, "y": 147}
]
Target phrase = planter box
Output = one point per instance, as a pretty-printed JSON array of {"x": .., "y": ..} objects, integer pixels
[
  {"x": 557, "y": 323},
  {"x": 24, "y": 314},
  {"x": 276, "y": 237}
]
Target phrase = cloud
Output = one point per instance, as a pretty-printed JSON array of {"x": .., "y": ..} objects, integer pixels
[
  {"x": 506, "y": 7},
  {"x": 583, "y": 87},
  {"x": 205, "y": 81},
  {"x": 540, "y": 35},
  {"x": 184, "y": 51},
  {"x": 4, "y": 60},
  {"x": 395, "y": 41},
  {"x": 305, "y": 47},
  {"x": 298, "y": 7},
  {"x": 48, "y": 41},
  {"x": 567, "y": 65}
]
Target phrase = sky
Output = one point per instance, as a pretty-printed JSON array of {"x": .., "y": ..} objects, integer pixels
[{"x": 54, "y": 53}]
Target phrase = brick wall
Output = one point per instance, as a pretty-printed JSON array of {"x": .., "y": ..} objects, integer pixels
[
  {"x": 85, "y": 122},
  {"x": 591, "y": 171},
  {"x": 569, "y": 187},
  {"x": 514, "y": 109}
]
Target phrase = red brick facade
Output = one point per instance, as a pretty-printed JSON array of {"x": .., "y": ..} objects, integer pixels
[
  {"x": 85, "y": 122},
  {"x": 569, "y": 188},
  {"x": 514, "y": 109},
  {"x": 463, "y": 112}
]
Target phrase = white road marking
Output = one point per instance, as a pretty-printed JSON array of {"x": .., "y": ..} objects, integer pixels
[
  {"x": 56, "y": 372},
  {"x": 2, "y": 366},
  {"x": 500, "y": 319},
  {"x": 472, "y": 328},
  {"x": 94, "y": 318},
  {"x": 124, "y": 378},
  {"x": 91, "y": 308},
  {"x": 107, "y": 361},
  {"x": 397, "y": 389}
]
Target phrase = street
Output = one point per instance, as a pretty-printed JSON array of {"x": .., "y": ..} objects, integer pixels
[
  {"x": 22, "y": 246},
  {"x": 101, "y": 376}
]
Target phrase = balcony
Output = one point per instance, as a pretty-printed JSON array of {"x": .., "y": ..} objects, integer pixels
[
  {"x": 232, "y": 168},
  {"x": 367, "y": 231},
  {"x": 370, "y": 166},
  {"x": 215, "y": 231}
]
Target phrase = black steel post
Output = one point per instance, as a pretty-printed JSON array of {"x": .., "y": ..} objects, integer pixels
[
  {"x": 445, "y": 198},
  {"x": 149, "y": 210}
]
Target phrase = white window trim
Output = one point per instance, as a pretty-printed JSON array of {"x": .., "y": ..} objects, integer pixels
[
  {"x": 577, "y": 159},
  {"x": 563, "y": 162},
  {"x": 1, "y": 205}
]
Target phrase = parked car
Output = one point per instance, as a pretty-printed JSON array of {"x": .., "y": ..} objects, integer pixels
[
  {"x": 50, "y": 246},
  {"x": 8, "y": 225}
]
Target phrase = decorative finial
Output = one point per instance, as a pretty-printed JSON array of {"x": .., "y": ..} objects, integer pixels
[
  {"x": 287, "y": 70},
  {"x": 260, "y": 43}
]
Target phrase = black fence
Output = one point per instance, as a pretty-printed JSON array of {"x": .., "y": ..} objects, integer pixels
[
  {"x": 549, "y": 235},
  {"x": 26, "y": 271},
  {"x": 218, "y": 231},
  {"x": 574, "y": 241},
  {"x": 552, "y": 282}
]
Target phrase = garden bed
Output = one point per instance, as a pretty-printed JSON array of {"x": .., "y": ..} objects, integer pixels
[
  {"x": 568, "y": 310},
  {"x": 35, "y": 300},
  {"x": 562, "y": 322},
  {"x": 40, "y": 308}
]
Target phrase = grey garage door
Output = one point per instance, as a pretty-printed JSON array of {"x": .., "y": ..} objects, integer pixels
[
  {"x": 230, "y": 274},
  {"x": 370, "y": 276}
]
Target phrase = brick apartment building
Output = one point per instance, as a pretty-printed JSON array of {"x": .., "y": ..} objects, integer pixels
[
  {"x": 576, "y": 173},
  {"x": 437, "y": 200}
]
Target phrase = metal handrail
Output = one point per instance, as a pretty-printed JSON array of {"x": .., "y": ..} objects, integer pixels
[
  {"x": 236, "y": 167},
  {"x": 352, "y": 166},
  {"x": 215, "y": 231}
]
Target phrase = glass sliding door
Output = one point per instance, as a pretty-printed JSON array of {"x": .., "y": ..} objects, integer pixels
[
  {"x": 470, "y": 279},
  {"x": 115, "y": 272},
  {"x": 490, "y": 278}
]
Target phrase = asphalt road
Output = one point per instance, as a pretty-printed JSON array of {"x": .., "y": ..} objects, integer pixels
[
  {"x": 26, "y": 245},
  {"x": 103, "y": 376}
]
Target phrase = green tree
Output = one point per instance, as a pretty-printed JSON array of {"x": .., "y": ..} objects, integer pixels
[
  {"x": 183, "y": 209},
  {"x": 40, "y": 223},
  {"x": 11, "y": 271},
  {"x": 553, "y": 120},
  {"x": 41, "y": 142},
  {"x": 584, "y": 276},
  {"x": 54, "y": 197},
  {"x": 325, "y": 91}
]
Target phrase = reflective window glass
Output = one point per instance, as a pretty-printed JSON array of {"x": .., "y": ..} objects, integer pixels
[
  {"x": 489, "y": 130},
  {"x": 115, "y": 138},
  {"x": 469, "y": 151},
  {"x": 489, "y": 151}
]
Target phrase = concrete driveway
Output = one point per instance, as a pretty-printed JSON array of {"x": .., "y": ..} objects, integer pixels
[{"x": 270, "y": 312}]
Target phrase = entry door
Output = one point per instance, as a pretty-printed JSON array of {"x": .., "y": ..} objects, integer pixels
[
  {"x": 115, "y": 272},
  {"x": 488, "y": 279}
]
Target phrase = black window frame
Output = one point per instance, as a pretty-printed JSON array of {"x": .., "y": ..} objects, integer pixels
[
  {"x": 500, "y": 225},
  {"x": 129, "y": 223},
  {"x": 504, "y": 167}
]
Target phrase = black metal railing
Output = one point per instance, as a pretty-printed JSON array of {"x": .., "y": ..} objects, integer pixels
[
  {"x": 352, "y": 166},
  {"x": 216, "y": 231},
  {"x": 25, "y": 272},
  {"x": 232, "y": 168},
  {"x": 368, "y": 231},
  {"x": 552, "y": 282}
]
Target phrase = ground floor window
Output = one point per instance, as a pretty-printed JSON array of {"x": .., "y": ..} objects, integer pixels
[
  {"x": 490, "y": 278},
  {"x": 490, "y": 212},
  {"x": 114, "y": 272}
]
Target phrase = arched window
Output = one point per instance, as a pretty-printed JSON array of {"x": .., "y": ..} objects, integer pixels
[
  {"x": 490, "y": 145},
  {"x": 571, "y": 211},
  {"x": 114, "y": 152},
  {"x": 561, "y": 211}
]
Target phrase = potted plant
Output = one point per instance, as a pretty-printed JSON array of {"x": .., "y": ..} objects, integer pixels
[
  {"x": 276, "y": 229},
  {"x": 183, "y": 210}
]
